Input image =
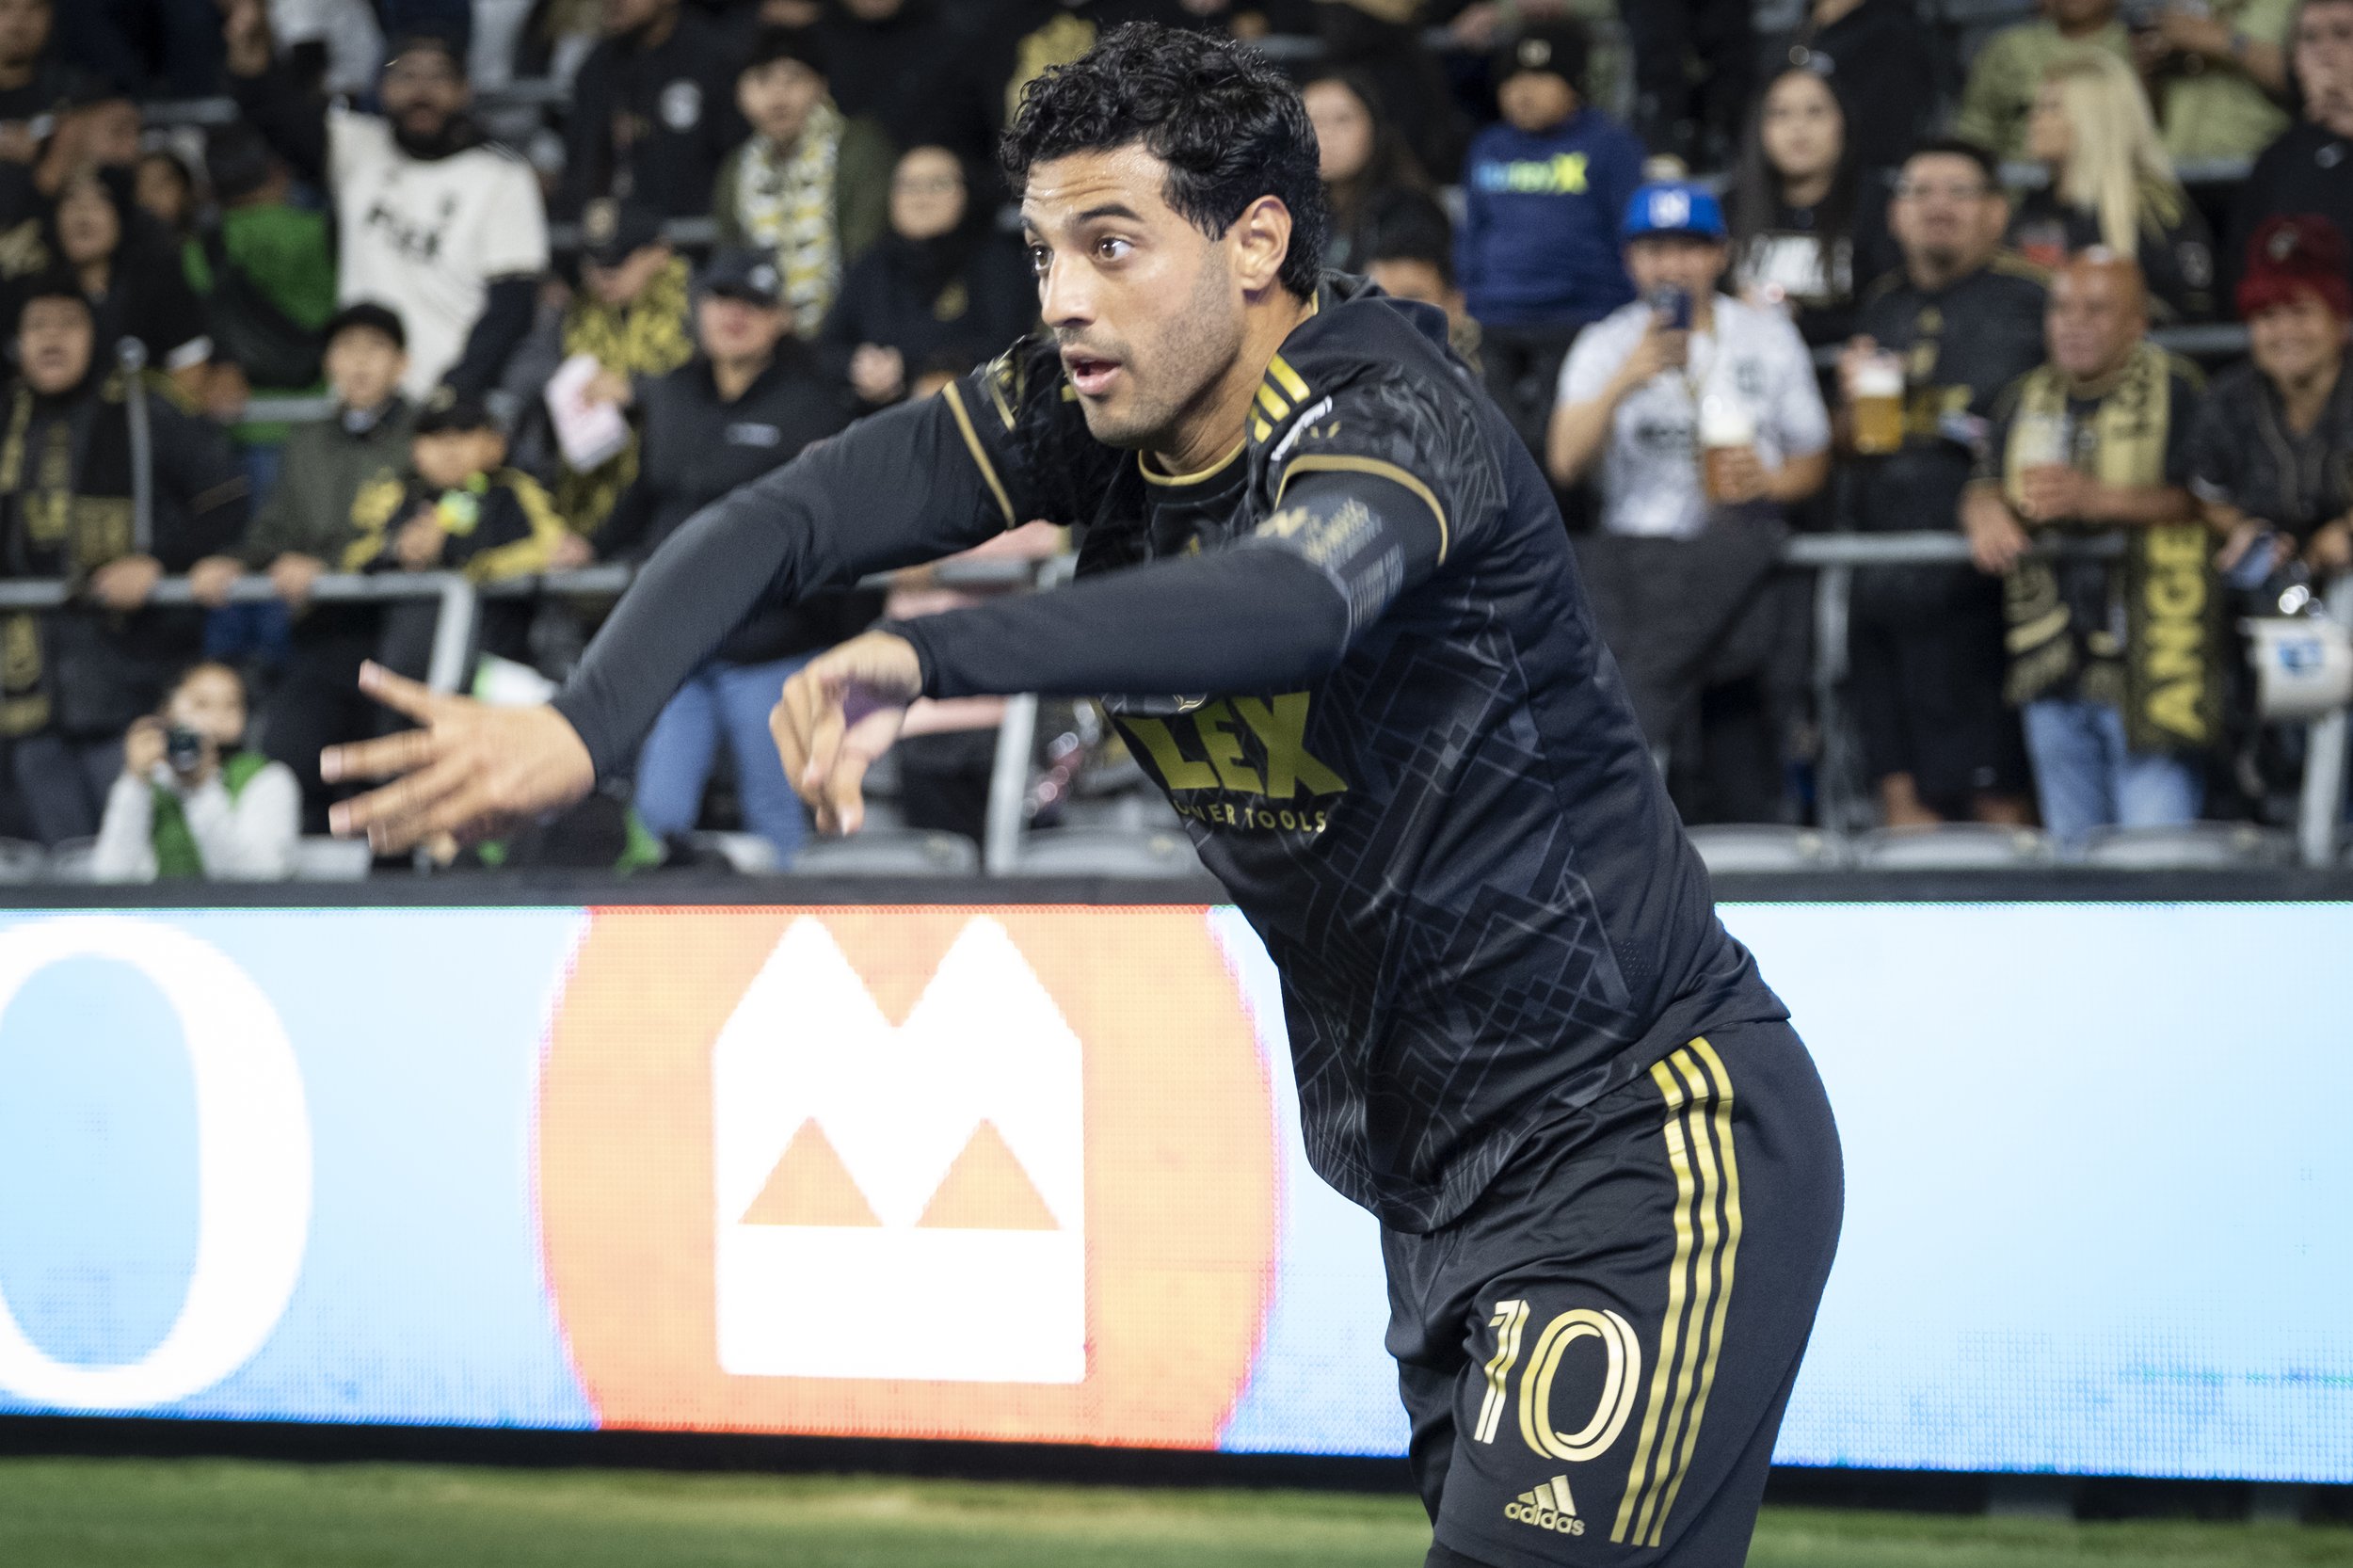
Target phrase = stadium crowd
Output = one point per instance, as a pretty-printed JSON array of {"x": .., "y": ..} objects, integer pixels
[{"x": 1835, "y": 265}]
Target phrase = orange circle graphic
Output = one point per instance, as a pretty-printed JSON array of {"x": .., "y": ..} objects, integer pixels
[{"x": 1180, "y": 1184}]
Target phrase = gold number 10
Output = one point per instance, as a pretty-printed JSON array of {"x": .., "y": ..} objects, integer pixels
[{"x": 1620, "y": 1380}]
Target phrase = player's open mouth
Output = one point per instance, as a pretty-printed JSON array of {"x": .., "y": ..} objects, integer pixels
[{"x": 1090, "y": 373}]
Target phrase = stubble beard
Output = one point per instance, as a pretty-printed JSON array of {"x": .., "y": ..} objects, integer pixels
[{"x": 1186, "y": 360}]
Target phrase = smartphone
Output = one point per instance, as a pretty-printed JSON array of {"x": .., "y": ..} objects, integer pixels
[
  {"x": 1673, "y": 307},
  {"x": 2254, "y": 568},
  {"x": 184, "y": 749}
]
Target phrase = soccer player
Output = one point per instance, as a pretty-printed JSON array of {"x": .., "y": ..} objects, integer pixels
[{"x": 1335, "y": 606}]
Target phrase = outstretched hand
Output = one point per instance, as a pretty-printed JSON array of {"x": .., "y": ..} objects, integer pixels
[
  {"x": 838, "y": 712},
  {"x": 468, "y": 771}
]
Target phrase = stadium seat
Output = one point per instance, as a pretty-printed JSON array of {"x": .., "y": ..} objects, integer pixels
[
  {"x": 1107, "y": 852},
  {"x": 746, "y": 854},
  {"x": 1951, "y": 847},
  {"x": 1740, "y": 848},
  {"x": 21, "y": 860},
  {"x": 69, "y": 860},
  {"x": 322, "y": 859},
  {"x": 1134, "y": 810},
  {"x": 889, "y": 852},
  {"x": 2192, "y": 846}
]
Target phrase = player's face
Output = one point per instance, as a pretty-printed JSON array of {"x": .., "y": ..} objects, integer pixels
[{"x": 1147, "y": 308}]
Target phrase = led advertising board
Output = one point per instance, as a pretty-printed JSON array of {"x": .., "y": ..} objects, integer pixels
[{"x": 1033, "y": 1174}]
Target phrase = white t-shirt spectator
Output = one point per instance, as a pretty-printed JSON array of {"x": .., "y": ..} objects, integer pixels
[
  {"x": 1649, "y": 472},
  {"x": 428, "y": 237}
]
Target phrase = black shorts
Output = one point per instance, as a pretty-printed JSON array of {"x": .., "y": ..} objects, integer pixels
[
  {"x": 1596, "y": 1356},
  {"x": 1926, "y": 681}
]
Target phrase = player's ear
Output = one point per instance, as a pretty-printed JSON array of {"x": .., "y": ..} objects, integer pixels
[{"x": 1262, "y": 241}]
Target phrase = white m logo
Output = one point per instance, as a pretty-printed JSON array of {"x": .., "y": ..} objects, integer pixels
[{"x": 899, "y": 1202}]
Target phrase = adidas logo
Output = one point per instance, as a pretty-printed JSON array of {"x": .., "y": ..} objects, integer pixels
[{"x": 1547, "y": 1508}]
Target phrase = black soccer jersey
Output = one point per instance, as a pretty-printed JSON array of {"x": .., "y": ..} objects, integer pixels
[{"x": 1356, "y": 658}]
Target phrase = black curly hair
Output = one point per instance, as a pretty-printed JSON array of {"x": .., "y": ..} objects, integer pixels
[{"x": 1228, "y": 124}]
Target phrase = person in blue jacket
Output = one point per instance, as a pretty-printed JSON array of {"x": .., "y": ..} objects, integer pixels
[{"x": 1538, "y": 252}]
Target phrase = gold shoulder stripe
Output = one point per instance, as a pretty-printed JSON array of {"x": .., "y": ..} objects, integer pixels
[
  {"x": 1288, "y": 378},
  {"x": 980, "y": 455},
  {"x": 1333, "y": 462},
  {"x": 1211, "y": 473},
  {"x": 1273, "y": 405}
]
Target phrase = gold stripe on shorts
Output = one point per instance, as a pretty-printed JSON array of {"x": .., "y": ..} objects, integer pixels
[{"x": 1698, "y": 1093}]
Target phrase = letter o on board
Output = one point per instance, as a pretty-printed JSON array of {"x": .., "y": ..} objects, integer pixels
[{"x": 253, "y": 1160}]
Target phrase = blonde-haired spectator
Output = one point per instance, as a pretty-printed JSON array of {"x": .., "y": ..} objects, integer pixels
[{"x": 2112, "y": 185}]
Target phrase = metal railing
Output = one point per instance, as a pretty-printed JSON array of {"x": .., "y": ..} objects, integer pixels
[{"x": 1834, "y": 558}]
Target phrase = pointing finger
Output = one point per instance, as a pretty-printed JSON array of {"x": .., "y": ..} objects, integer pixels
[{"x": 415, "y": 698}]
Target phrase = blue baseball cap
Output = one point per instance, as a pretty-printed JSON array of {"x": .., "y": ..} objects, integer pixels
[{"x": 1674, "y": 207}]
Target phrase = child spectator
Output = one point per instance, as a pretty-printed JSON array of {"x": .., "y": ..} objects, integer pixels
[
  {"x": 193, "y": 801},
  {"x": 1808, "y": 232},
  {"x": 1538, "y": 254},
  {"x": 652, "y": 112},
  {"x": 2112, "y": 185},
  {"x": 1415, "y": 261},
  {"x": 458, "y": 507},
  {"x": 1370, "y": 181},
  {"x": 165, "y": 188},
  {"x": 811, "y": 187},
  {"x": 942, "y": 282},
  {"x": 305, "y": 525}
]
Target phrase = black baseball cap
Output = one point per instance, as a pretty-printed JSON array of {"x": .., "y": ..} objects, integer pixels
[
  {"x": 750, "y": 275},
  {"x": 448, "y": 410},
  {"x": 1554, "y": 48},
  {"x": 368, "y": 315},
  {"x": 611, "y": 232}
]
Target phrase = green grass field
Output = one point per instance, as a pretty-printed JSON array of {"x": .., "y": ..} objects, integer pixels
[
  {"x": 218, "y": 1513},
  {"x": 140, "y": 1513}
]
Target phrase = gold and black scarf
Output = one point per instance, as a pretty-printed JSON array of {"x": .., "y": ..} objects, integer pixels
[
  {"x": 2165, "y": 674},
  {"x": 65, "y": 502},
  {"x": 646, "y": 337}
]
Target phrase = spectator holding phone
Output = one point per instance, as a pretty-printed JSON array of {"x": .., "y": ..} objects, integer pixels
[
  {"x": 2271, "y": 454},
  {"x": 193, "y": 801},
  {"x": 1705, "y": 418}
]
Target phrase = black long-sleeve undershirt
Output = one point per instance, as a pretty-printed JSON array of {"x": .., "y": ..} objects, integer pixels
[
  {"x": 1239, "y": 620},
  {"x": 1274, "y": 611}
]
